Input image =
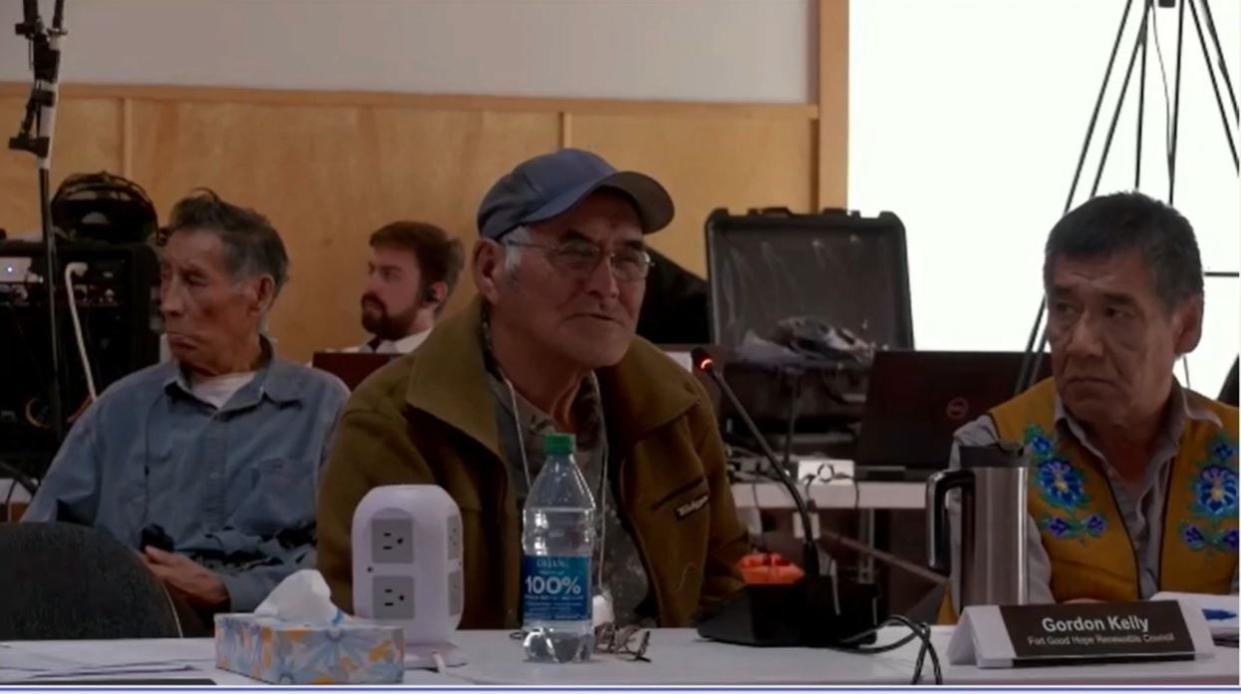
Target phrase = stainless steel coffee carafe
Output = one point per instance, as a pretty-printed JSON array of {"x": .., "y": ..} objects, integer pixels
[{"x": 988, "y": 566}]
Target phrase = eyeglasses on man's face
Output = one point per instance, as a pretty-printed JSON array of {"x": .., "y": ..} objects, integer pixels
[{"x": 580, "y": 258}]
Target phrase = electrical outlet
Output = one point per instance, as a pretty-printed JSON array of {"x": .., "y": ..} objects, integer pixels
[
  {"x": 392, "y": 597},
  {"x": 454, "y": 537},
  {"x": 392, "y": 541},
  {"x": 454, "y": 592}
]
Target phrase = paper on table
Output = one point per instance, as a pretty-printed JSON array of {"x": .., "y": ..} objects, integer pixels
[
  {"x": 17, "y": 663},
  {"x": 31, "y": 660},
  {"x": 1220, "y": 611},
  {"x": 111, "y": 653},
  {"x": 123, "y": 669},
  {"x": 56, "y": 671}
]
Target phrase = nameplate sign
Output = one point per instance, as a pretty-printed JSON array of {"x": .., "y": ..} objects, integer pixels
[{"x": 1032, "y": 635}]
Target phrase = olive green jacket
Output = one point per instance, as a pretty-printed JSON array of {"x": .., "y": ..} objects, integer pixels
[{"x": 430, "y": 418}]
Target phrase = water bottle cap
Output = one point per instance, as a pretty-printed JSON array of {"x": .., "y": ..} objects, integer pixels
[{"x": 558, "y": 444}]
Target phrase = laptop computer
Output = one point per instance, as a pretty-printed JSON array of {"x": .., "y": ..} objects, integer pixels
[
  {"x": 351, "y": 367},
  {"x": 917, "y": 400}
]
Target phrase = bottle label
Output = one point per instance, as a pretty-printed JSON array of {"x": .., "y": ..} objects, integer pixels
[{"x": 555, "y": 589}]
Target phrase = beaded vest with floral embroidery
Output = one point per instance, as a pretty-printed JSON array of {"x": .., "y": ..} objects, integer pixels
[{"x": 1082, "y": 527}]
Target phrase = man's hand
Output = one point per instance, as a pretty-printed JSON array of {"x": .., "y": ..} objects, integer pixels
[{"x": 200, "y": 586}]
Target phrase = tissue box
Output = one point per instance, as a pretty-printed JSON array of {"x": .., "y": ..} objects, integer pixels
[{"x": 280, "y": 652}]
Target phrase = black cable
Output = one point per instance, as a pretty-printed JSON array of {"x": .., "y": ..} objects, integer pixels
[
  {"x": 918, "y": 631},
  {"x": 928, "y": 648},
  {"x": 1169, "y": 143},
  {"x": 1144, "y": 39},
  {"x": 1219, "y": 52},
  {"x": 832, "y": 477},
  {"x": 1163, "y": 78},
  {"x": 1030, "y": 363},
  {"x": 56, "y": 393},
  {"x": 1176, "y": 103},
  {"x": 17, "y": 477},
  {"x": 846, "y": 643},
  {"x": 1219, "y": 101},
  {"x": 704, "y": 363},
  {"x": 1120, "y": 102},
  {"x": 794, "y": 384},
  {"x": 1094, "y": 116},
  {"x": 1167, "y": 105}
]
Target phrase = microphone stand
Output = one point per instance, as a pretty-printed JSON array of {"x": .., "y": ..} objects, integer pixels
[
  {"x": 810, "y": 553},
  {"x": 35, "y": 136},
  {"x": 815, "y": 611}
]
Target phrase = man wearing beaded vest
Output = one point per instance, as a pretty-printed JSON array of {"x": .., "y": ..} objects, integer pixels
[{"x": 1133, "y": 488}]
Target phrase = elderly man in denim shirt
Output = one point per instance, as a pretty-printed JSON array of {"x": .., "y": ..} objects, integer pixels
[{"x": 216, "y": 454}]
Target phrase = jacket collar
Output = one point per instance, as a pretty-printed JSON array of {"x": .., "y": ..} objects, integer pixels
[{"x": 448, "y": 381}]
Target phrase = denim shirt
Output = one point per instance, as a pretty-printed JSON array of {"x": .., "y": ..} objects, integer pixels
[{"x": 233, "y": 488}]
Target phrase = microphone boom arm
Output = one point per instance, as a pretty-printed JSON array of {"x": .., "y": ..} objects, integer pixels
[{"x": 810, "y": 561}]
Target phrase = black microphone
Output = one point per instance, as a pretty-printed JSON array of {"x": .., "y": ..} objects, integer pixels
[
  {"x": 810, "y": 560},
  {"x": 815, "y": 611}
]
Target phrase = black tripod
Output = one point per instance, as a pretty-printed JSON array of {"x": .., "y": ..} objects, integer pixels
[
  {"x": 1038, "y": 333},
  {"x": 35, "y": 136}
]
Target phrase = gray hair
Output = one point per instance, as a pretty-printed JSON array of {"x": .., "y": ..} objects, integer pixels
[
  {"x": 1110, "y": 224},
  {"x": 512, "y": 254},
  {"x": 252, "y": 246}
]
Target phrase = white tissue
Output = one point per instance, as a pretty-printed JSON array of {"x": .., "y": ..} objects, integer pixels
[{"x": 302, "y": 597}]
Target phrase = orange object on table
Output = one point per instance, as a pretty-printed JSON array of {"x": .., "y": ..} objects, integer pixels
[{"x": 769, "y": 569}]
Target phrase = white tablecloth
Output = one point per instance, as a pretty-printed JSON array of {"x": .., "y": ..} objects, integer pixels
[{"x": 678, "y": 656}]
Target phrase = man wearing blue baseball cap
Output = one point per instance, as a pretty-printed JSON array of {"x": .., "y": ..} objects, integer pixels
[{"x": 549, "y": 345}]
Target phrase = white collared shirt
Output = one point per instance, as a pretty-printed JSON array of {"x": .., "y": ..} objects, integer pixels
[{"x": 405, "y": 345}]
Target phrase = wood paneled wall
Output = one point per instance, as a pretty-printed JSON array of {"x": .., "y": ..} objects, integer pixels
[{"x": 330, "y": 167}]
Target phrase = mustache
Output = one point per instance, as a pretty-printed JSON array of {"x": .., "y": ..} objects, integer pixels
[{"x": 370, "y": 297}]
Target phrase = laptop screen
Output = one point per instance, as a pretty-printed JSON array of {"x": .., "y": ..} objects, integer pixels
[{"x": 917, "y": 400}]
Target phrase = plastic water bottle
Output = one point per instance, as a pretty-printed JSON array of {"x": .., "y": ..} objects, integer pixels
[{"x": 558, "y": 536}]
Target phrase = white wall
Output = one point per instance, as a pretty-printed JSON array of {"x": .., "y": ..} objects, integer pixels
[
  {"x": 966, "y": 116},
  {"x": 966, "y": 119},
  {"x": 692, "y": 50}
]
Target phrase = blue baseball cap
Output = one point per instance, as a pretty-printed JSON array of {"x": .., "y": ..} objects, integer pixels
[{"x": 552, "y": 184}]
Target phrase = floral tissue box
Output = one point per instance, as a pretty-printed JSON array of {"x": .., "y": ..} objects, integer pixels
[{"x": 280, "y": 652}]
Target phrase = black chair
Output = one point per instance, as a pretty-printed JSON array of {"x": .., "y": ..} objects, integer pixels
[
  {"x": 676, "y": 310},
  {"x": 62, "y": 581}
]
